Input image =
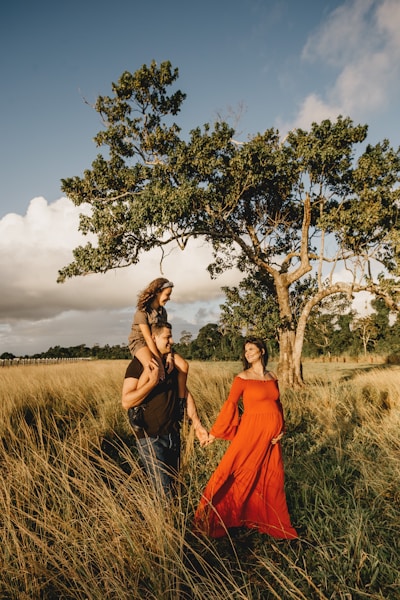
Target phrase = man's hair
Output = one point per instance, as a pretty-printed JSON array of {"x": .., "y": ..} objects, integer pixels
[{"x": 157, "y": 328}]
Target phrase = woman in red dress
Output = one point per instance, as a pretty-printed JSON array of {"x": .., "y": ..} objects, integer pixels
[{"x": 247, "y": 488}]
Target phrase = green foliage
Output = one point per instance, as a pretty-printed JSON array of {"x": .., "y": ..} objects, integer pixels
[
  {"x": 83, "y": 351},
  {"x": 329, "y": 328},
  {"x": 251, "y": 308},
  {"x": 155, "y": 187},
  {"x": 279, "y": 208},
  {"x": 212, "y": 344}
]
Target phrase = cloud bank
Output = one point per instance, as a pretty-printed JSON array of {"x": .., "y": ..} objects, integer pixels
[{"x": 36, "y": 312}]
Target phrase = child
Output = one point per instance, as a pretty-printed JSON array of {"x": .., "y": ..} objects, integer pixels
[{"x": 150, "y": 310}]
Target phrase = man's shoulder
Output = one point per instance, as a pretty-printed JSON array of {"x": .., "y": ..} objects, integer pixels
[{"x": 134, "y": 369}]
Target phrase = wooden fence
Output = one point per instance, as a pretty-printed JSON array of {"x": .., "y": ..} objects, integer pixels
[{"x": 15, "y": 362}]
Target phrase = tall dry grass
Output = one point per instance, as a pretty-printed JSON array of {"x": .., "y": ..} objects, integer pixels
[{"x": 78, "y": 519}]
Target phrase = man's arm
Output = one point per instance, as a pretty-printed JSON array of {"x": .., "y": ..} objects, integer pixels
[
  {"x": 134, "y": 391},
  {"x": 200, "y": 431}
]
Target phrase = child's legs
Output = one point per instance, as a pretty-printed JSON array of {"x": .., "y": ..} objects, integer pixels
[
  {"x": 145, "y": 356},
  {"x": 183, "y": 368},
  {"x": 181, "y": 364}
]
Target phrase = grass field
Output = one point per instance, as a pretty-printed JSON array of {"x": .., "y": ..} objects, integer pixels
[{"x": 78, "y": 520}]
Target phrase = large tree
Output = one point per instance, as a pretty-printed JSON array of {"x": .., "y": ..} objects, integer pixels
[
  {"x": 251, "y": 307},
  {"x": 283, "y": 207}
]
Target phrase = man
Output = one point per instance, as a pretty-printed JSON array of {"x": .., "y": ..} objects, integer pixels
[{"x": 158, "y": 435}]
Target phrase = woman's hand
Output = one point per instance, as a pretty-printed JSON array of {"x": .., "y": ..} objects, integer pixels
[
  {"x": 210, "y": 439},
  {"x": 276, "y": 439}
]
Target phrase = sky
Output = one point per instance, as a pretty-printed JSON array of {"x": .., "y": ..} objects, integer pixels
[{"x": 267, "y": 63}]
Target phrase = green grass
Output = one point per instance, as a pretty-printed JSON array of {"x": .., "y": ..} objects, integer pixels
[{"x": 78, "y": 520}]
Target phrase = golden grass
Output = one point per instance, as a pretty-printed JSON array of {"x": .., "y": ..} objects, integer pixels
[{"x": 78, "y": 519}]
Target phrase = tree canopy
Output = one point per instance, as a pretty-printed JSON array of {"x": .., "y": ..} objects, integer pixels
[{"x": 285, "y": 208}]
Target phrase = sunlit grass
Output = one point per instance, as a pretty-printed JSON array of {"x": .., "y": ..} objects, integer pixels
[{"x": 78, "y": 519}]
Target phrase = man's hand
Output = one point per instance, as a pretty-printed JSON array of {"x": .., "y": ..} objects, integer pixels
[
  {"x": 135, "y": 390},
  {"x": 151, "y": 371},
  {"x": 201, "y": 432}
]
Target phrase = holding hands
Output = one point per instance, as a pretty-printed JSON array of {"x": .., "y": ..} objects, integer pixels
[
  {"x": 210, "y": 439},
  {"x": 202, "y": 435},
  {"x": 206, "y": 438}
]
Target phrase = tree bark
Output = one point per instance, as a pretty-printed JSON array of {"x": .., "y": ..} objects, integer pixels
[{"x": 289, "y": 367}]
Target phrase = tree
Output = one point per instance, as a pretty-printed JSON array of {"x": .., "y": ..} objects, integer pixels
[
  {"x": 251, "y": 308},
  {"x": 231, "y": 346},
  {"x": 344, "y": 341},
  {"x": 186, "y": 338},
  {"x": 381, "y": 321},
  {"x": 395, "y": 336},
  {"x": 367, "y": 331},
  {"x": 282, "y": 208},
  {"x": 207, "y": 344},
  {"x": 320, "y": 331},
  {"x": 184, "y": 346},
  {"x": 323, "y": 325}
]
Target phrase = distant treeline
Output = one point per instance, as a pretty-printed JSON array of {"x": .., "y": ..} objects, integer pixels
[
  {"x": 210, "y": 344},
  {"x": 347, "y": 337},
  {"x": 76, "y": 352}
]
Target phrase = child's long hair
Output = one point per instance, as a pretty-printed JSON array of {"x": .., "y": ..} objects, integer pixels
[
  {"x": 260, "y": 345},
  {"x": 146, "y": 296}
]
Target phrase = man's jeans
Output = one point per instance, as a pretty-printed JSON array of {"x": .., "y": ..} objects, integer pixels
[{"x": 160, "y": 457}]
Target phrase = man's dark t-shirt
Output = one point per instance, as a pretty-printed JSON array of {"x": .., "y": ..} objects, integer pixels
[{"x": 161, "y": 414}]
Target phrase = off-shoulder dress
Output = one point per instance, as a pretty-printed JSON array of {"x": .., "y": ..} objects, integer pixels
[{"x": 247, "y": 487}]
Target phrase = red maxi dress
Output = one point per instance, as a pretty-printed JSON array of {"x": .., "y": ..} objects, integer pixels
[{"x": 247, "y": 487}]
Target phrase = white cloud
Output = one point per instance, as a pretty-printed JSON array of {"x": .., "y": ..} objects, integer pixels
[
  {"x": 360, "y": 44},
  {"x": 36, "y": 312},
  {"x": 341, "y": 37},
  {"x": 313, "y": 109}
]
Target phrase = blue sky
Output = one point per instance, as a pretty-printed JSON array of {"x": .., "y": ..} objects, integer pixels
[
  {"x": 55, "y": 55},
  {"x": 276, "y": 63}
]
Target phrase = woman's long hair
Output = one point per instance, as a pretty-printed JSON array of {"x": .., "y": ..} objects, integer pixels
[
  {"x": 146, "y": 296},
  {"x": 260, "y": 345}
]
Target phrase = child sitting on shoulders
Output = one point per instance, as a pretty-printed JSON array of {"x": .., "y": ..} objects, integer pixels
[{"x": 150, "y": 310}]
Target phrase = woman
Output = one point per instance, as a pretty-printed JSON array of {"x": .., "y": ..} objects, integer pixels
[
  {"x": 151, "y": 311},
  {"x": 247, "y": 488}
]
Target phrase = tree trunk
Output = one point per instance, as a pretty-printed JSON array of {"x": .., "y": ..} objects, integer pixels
[{"x": 289, "y": 367}]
